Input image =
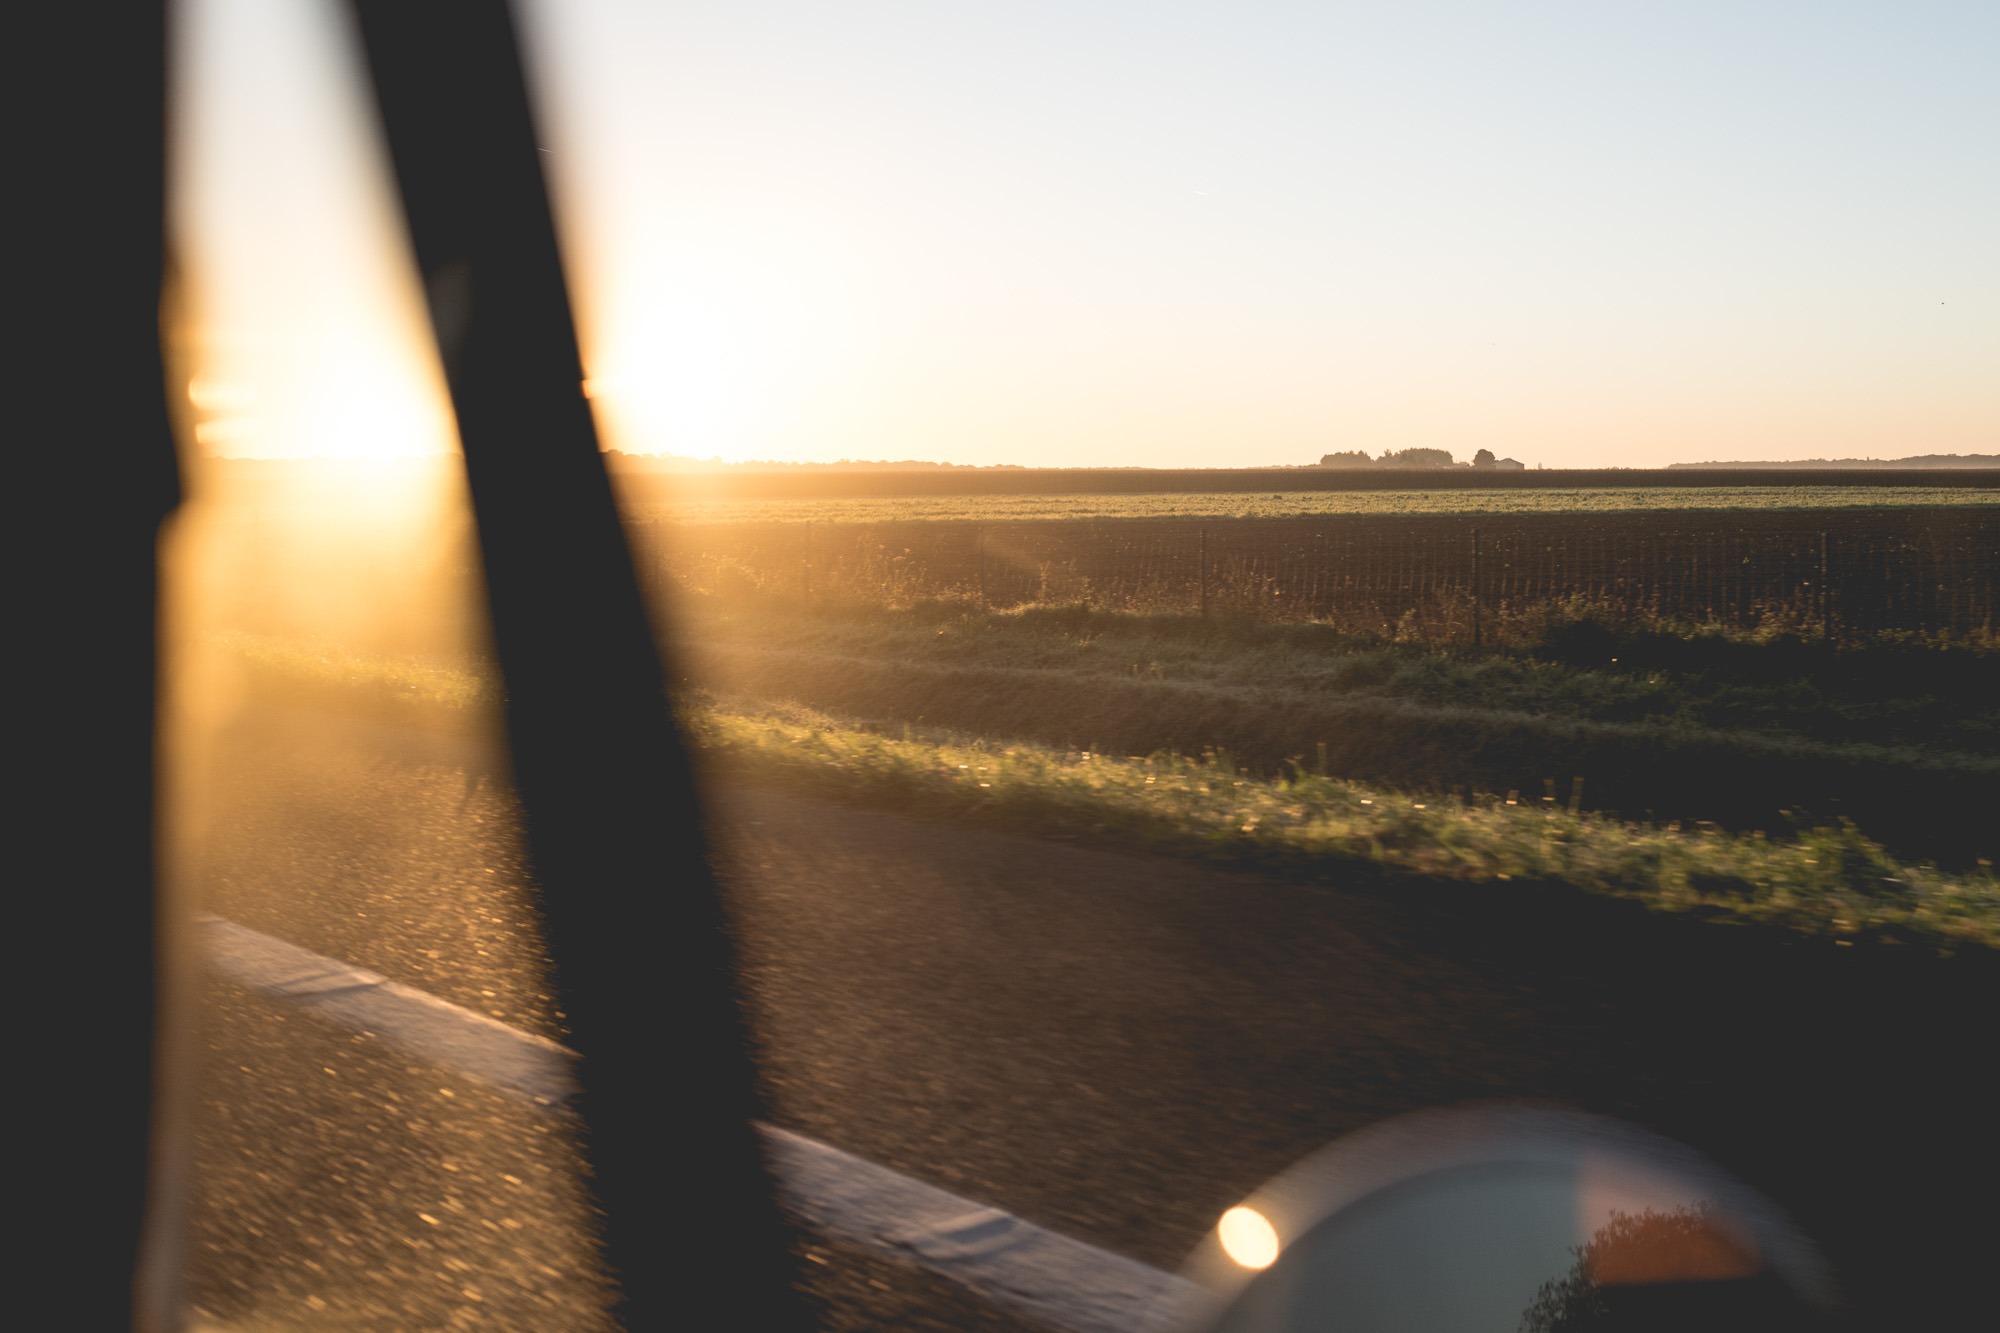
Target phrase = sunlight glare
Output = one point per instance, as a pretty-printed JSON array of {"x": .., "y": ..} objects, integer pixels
[
  {"x": 685, "y": 375},
  {"x": 1248, "y": 1237},
  {"x": 327, "y": 498},
  {"x": 219, "y": 395},
  {"x": 723, "y": 346}
]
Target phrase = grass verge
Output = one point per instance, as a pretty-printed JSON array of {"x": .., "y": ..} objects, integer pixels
[
  {"x": 1828, "y": 881},
  {"x": 1899, "y": 737},
  {"x": 1578, "y": 663}
]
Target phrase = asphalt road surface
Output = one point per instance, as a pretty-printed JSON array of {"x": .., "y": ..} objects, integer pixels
[{"x": 1115, "y": 1046}]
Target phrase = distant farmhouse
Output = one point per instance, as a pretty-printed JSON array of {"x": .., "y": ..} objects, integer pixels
[{"x": 1483, "y": 461}]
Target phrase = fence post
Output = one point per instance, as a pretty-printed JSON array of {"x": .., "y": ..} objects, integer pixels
[
  {"x": 1204, "y": 571},
  {"x": 1475, "y": 589}
]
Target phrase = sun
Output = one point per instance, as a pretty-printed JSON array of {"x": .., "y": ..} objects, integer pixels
[
  {"x": 692, "y": 374},
  {"x": 721, "y": 345},
  {"x": 298, "y": 393}
]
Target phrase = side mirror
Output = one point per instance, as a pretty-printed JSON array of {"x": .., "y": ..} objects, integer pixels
[{"x": 1507, "y": 1218}]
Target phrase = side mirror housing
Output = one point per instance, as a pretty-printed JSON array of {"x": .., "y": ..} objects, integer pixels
[{"x": 1507, "y": 1217}]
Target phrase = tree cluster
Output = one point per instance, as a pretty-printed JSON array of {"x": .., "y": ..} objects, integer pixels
[{"x": 1404, "y": 458}]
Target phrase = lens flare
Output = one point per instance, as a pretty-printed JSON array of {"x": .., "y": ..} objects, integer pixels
[
  {"x": 1248, "y": 1238},
  {"x": 219, "y": 396}
]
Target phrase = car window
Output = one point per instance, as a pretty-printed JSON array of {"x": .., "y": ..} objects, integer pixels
[{"x": 1227, "y": 576}]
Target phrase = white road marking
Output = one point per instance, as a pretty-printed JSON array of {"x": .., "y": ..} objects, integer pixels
[
  {"x": 1064, "y": 1283},
  {"x": 1051, "y": 1278},
  {"x": 517, "y": 1063}
]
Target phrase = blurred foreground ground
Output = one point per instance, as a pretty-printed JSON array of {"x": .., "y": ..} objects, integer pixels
[{"x": 1114, "y": 1046}]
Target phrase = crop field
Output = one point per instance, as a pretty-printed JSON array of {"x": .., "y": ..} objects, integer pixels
[
  {"x": 1442, "y": 577},
  {"x": 1007, "y": 508},
  {"x": 1765, "y": 704}
]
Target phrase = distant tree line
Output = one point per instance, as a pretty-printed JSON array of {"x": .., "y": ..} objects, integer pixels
[
  {"x": 1918, "y": 461},
  {"x": 1417, "y": 458}
]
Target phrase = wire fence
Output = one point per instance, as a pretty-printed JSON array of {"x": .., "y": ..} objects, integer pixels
[{"x": 1451, "y": 576}]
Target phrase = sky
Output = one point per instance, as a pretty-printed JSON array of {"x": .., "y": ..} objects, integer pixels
[{"x": 1115, "y": 234}]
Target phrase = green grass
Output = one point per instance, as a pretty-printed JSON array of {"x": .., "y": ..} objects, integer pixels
[
  {"x": 1830, "y": 881},
  {"x": 1743, "y": 732},
  {"x": 1826, "y": 881},
  {"x": 385, "y": 682},
  {"x": 1569, "y": 665},
  {"x": 1297, "y": 504}
]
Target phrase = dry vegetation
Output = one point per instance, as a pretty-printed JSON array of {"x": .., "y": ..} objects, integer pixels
[
  {"x": 1305, "y": 504},
  {"x": 1440, "y": 578},
  {"x": 1829, "y": 880},
  {"x": 1755, "y": 768},
  {"x": 1745, "y": 731}
]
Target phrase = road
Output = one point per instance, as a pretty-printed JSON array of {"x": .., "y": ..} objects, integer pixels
[{"x": 1115, "y": 1046}]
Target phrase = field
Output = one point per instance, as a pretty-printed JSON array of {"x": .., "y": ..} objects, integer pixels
[
  {"x": 1437, "y": 576},
  {"x": 1744, "y": 734},
  {"x": 1802, "y": 693},
  {"x": 650, "y": 506}
]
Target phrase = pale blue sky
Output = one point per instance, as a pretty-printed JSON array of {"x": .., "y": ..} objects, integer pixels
[{"x": 1194, "y": 234}]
